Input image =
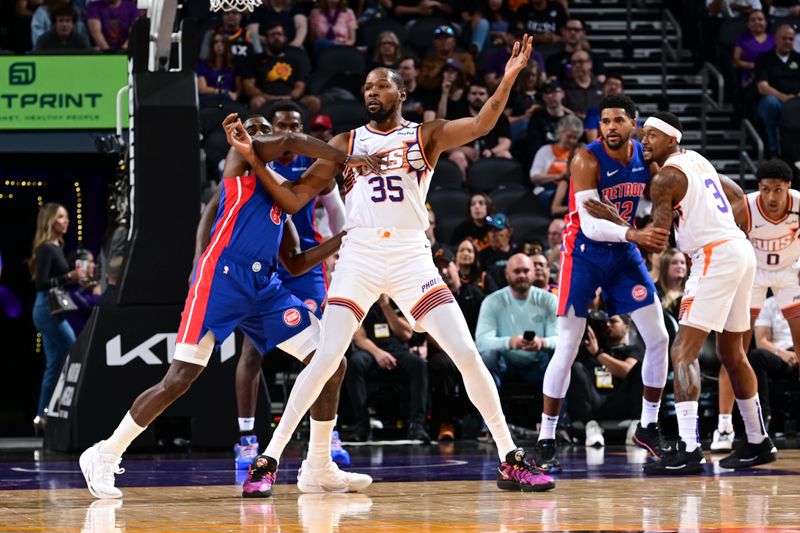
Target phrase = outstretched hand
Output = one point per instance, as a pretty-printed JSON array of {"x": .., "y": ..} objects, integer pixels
[
  {"x": 366, "y": 164},
  {"x": 604, "y": 210},
  {"x": 238, "y": 137},
  {"x": 520, "y": 55}
]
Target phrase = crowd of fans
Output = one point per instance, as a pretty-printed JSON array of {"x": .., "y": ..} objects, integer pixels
[{"x": 500, "y": 261}]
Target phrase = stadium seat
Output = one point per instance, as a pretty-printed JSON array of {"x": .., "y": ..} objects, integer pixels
[
  {"x": 337, "y": 59},
  {"x": 445, "y": 228},
  {"x": 346, "y": 115},
  {"x": 485, "y": 175},
  {"x": 300, "y": 55},
  {"x": 790, "y": 130},
  {"x": 212, "y": 114},
  {"x": 368, "y": 33},
  {"x": 526, "y": 226},
  {"x": 449, "y": 203},
  {"x": 504, "y": 197},
  {"x": 528, "y": 205},
  {"x": 420, "y": 35},
  {"x": 446, "y": 175}
]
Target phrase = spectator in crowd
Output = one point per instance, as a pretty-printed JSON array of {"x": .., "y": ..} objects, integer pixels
[
  {"x": 731, "y": 8},
  {"x": 444, "y": 376},
  {"x": 778, "y": 77},
  {"x": 244, "y": 45},
  {"x": 781, "y": 8},
  {"x": 541, "y": 18},
  {"x": 86, "y": 294},
  {"x": 332, "y": 24},
  {"x": 583, "y": 92},
  {"x": 381, "y": 347},
  {"x": 494, "y": 64},
  {"x": 418, "y": 105},
  {"x": 50, "y": 269},
  {"x": 541, "y": 273},
  {"x": 63, "y": 35},
  {"x": 544, "y": 121},
  {"x": 672, "y": 276},
  {"x": 606, "y": 378},
  {"x": 43, "y": 19},
  {"x": 286, "y": 13},
  {"x": 555, "y": 233},
  {"x": 495, "y": 257},
  {"x": 110, "y": 22},
  {"x": 470, "y": 271},
  {"x": 322, "y": 127},
  {"x": 474, "y": 227},
  {"x": 408, "y": 10},
  {"x": 370, "y": 10},
  {"x": 523, "y": 100},
  {"x": 491, "y": 23},
  {"x": 530, "y": 245},
  {"x": 388, "y": 51},
  {"x": 273, "y": 75},
  {"x": 751, "y": 44},
  {"x": 496, "y": 143},
  {"x": 217, "y": 79},
  {"x": 550, "y": 163},
  {"x": 451, "y": 99},
  {"x": 516, "y": 331},
  {"x": 444, "y": 43},
  {"x": 613, "y": 84},
  {"x": 774, "y": 357},
  {"x": 573, "y": 39}
]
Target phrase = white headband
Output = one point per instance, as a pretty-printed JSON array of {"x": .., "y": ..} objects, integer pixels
[{"x": 662, "y": 126}]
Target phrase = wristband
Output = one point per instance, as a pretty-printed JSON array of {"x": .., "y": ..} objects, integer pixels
[{"x": 346, "y": 159}]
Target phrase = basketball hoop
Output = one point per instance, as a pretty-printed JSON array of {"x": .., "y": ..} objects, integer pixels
[{"x": 234, "y": 5}]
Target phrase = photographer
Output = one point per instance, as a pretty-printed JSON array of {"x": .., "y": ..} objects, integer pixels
[{"x": 606, "y": 379}]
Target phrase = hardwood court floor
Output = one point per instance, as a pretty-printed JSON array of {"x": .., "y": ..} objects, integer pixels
[{"x": 595, "y": 493}]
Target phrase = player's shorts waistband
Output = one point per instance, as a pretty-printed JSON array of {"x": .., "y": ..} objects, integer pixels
[
  {"x": 386, "y": 233},
  {"x": 263, "y": 266}
]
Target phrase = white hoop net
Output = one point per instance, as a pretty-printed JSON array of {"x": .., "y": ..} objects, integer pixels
[{"x": 234, "y": 5}]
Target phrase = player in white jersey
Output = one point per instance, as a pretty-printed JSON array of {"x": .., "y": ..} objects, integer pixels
[
  {"x": 386, "y": 251},
  {"x": 717, "y": 293},
  {"x": 773, "y": 231}
]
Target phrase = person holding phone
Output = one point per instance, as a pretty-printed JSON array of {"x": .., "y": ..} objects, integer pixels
[{"x": 516, "y": 331}]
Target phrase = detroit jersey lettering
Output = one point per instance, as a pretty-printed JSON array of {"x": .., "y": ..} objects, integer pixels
[
  {"x": 623, "y": 185},
  {"x": 396, "y": 198},
  {"x": 775, "y": 242}
]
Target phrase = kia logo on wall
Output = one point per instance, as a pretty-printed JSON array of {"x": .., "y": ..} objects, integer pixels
[{"x": 115, "y": 357}]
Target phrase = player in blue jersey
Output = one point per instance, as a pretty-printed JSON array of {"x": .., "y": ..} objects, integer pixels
[
  {"x": 309, "y": 287},
  {"x": 596, "y": 254},
  {"x": 235, "y": 285}
]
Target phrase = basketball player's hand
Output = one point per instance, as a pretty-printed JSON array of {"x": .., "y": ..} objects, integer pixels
[
  {"x": 520, "y": 55},
  {"x": 239, "y": 138},
  {"x": 385, "y": 360},
  {"x": 605, "y": 210},
  {"x": 366, "y": 164},
  {"x": 651, "y": 238}
]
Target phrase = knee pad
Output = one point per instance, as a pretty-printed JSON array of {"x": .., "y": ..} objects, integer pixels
[{"x": 197, "y": 354}]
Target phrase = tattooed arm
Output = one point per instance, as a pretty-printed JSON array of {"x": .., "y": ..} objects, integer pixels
[{"x": 667, "y": 189}]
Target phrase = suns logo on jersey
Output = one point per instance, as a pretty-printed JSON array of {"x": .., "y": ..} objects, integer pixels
[{"x": 776, "y": 244}]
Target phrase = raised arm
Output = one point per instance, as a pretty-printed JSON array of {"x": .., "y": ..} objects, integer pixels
[
  {"x": 299, "y": 262},
  {"x": 736, "y": 198},
  {"x": 440, "y": 135}
]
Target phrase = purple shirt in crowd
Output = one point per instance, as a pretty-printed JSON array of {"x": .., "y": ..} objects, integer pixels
[
  {"x": 751, "y": 49},
  {"x": 116, "y": 22},
  {"x": 213, "y": 76}
]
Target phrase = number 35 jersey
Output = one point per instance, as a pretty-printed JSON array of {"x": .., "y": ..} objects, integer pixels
[
  {"x": 704, "y": 215},
  {"x": 396, "y": 198},
  {"x": 775, "y": 242}
]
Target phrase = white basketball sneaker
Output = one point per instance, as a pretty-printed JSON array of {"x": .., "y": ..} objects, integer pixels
[
  {"x": 330, "y": 479},
  {"x": 594, "y": 434},
  {"x": 99, "y": 468},
  {"x": 722, "y": 441}
]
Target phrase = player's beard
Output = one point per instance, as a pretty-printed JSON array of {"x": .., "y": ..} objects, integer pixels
[
  {"x": 383, "y": 114},
  {"x": 623, "y": 140}
]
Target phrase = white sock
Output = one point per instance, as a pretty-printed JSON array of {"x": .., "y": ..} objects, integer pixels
[
  {"x": 753, "y": 422},
  {"x": 246, "y": 424},
  {"x": 649, "y": 412},
  {"x": 122, "y": 437},
  {"x": 725, "y": 423},
  {"x": 548, "y": 429},
  {"x": 319, "y": 443},
  {"x": 687, "y": 424}
]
